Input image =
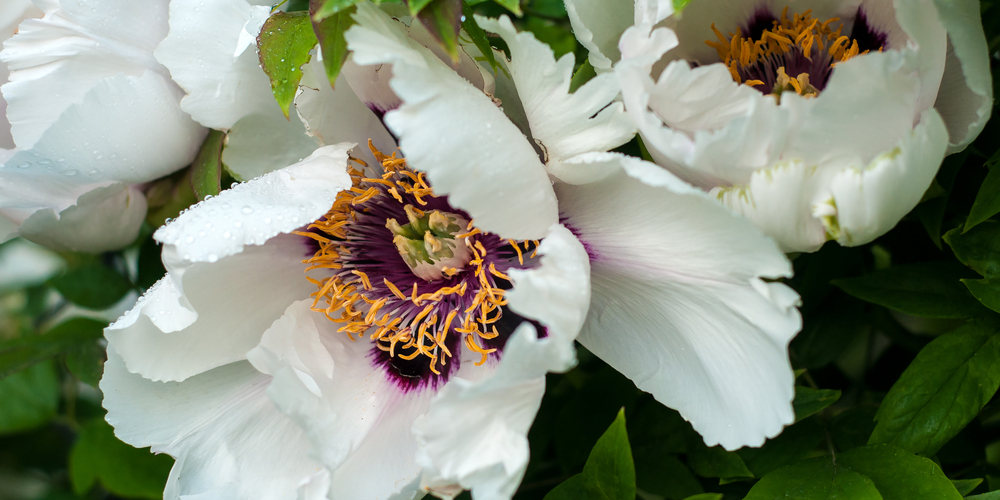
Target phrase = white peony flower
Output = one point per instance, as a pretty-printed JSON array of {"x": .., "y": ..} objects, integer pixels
[
  {"x": 92, "y": 116},
  {"x": 373, "y": 326},
  {"x": 815, "y": 120}
]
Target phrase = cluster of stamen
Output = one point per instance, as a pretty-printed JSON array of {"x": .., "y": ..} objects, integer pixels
[
  {"x": 795, "y": 55},
  {"x": 456, "y": 288}
]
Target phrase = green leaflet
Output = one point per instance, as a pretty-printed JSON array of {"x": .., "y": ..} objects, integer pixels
[
  {"x": 329, "y": 30},
  {"x": 283, "y": 45},
  {"x": 122, "y": 469},
  {"x": 987, "y": 202},
  {"x": 609, "y": 473},
  {"x": 206, "y": 171},
  {"x": 443, "y": 18},
  {"x": 20, "y": 353},
  {"x": 927, "y": 289}
]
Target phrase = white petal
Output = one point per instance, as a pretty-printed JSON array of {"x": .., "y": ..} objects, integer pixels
[
  {"x": 484, "y": 448},
  {"x": 229, "y": 440},
  {"x": 966, "y": 94},
  {"x": 56, "y": 60},
  {"x": 598, "y": 25},
  {"x": 262, "y": 143},
  {"x": 454, "y": 132},
  {"x": 255, "y": 211},
  {"x": 334, "y": 115},
  {"x": 125, "y": 128},
  {"x": 357, "y": 420},
  {"x": 24, "y": 264},
  {"x": 223, "y": 84},
  {"x": 12, "y": 12},
  {"x": 205, "y": 315},
  {"x": 106, "y": 218},
  {"x": 564, "y": 124},
  {"x": 679, "y": 304}
]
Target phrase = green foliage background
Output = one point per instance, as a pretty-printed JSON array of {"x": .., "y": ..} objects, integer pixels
[{"x": 898, "y": 363}]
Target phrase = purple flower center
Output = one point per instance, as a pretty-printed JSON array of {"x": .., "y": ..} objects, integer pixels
[
  {"x": 413, "y": 275},
  {"x": 796, "y": 54}
]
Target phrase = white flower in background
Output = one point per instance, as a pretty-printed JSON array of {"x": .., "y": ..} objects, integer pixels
[
  {"x": 815, "y": 120},
  {"x": 408, "y": 352},
  {"x": 92, "y": 116},
  {"x": 12, "y": 13}
]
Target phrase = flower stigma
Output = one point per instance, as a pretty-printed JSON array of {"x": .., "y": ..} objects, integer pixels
[
  {"x": 792, "y": 55},
  {"x": 410, "y": 272}
]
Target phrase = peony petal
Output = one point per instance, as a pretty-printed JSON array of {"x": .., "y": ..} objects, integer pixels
[
  {"x": 253, "y": 212},
  {"x": 486, "y": 449},
  {"x": 706, "y": 334},
  {"x": 229, "y": 440},
  {"x": 204, "y": 315},
  {"x": 103, "y": 219},
  {"x": 563, "y": 124},
  {"x": 357, "y": 420},
  {"x": 210, "y": 52},
  {"x": 598, "y": 24},
  {"x": 12, "y": 13},
  {"x": 454, "y": 132},
  {"x": 261, "y": 143}
]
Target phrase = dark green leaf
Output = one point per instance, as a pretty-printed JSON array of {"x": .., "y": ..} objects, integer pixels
[
  {"x": 20, "y": 353},
  {"x": 993, "y": 495},
  {"x": 86, "y": 363},
  {"x": 965, "y": 486},
  {"x": 978, "y": 248},
  {"x": 552, "y": 34},
  {"x": 150, "y": 266},
  {"x": 609, "y": 473},
  {"x": 661, "y": 474},
  {"x": 717, "y": 462},
  {"x": 283, "y": 44},
  {"x": 898, "y": 474},
  {"x": 927, "y": 289},
  {"x": 511, "y": 5},
  {"x": 330, "y": 34},
  {"x": 931, "y": 212},
  {"x": 987, "y": 291},
  {"x": 815, "y": 479},
  {"x": 443, "y": 18},
  {"x": 477, "y": 35},
  {"x": 942, "y": 390},
  {"x": 809, "y": 401},
  {"x": 785, "y": 449},
  {"x": 28, "y": 398},
  {"x": 987, "y": 202},
  {"x": 206, "y": 171},
  {"x": 98, "y": 455},
  {"x": 852, "y": 428},
  {"x": 827, "y": 334},
  {"x": 93, "y": 286},
  {"x": 582, "y": 76},
  {"x": 328, "y": 8}
]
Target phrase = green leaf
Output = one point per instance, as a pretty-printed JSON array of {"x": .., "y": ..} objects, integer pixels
[
  {"x": 898, "y": 474},
  {"x": 28, "y": 398},
  {"x": 927, "y": 289},
  {"x": 86, "y": 363},
  {"x": 679, "y": 5},
  {"x": 717, "y": 462},
  {"x": 852, "y": 428},
  {"x": 328, "y": 8},
  {"x": 206, "y": 171},
  {"x": 511, "y": 5},
  {"x": 125, "y": 471},
  {"x": 329, "y": 32},
  {"x": 993, "y": 495},
  {"x": 20, "y": 353},
  {"x": 168, "y": 196},
  {"x": 93, "y": 286},
  {"x": 965, "y": 486},
  {"x": 416, "y": 6},
  {"x": 553, "y": 34},
  {"x": 942, "y": 390},
  {"x": 477, "y": 35},
  {"x": 986, "y": 291},
  {"x": 443, "y": 18},
  {"x": 785, "y": 449},
  {"x": 150, "y": 266},
  {"x": 283, "y": 44},
  {"x": 582, "y": 76},
  {"x": 978, "y": 248},
  {"x": 987, "y": 202},
  {"x": 828, "y": 334},
  {"x": 931, "y": 212},
  {"x": 809, "y": 401},
  {"x": 815, "y": 479},
  {"x": 609, "y": 473},
  {"x": 662, "y": 474}
]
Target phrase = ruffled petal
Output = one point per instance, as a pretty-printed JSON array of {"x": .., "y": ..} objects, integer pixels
[
  {"x": 228, "y": 439},
  {"x": 204, "y": 315},
  {"x": 484, "y": 447},
  {"x": 106, "y": 218},
  {"x": 454, "y": 132},
  {"x": 56, "y": 60},
  {"x": 12, "y": 12},
  {"x": 598, "y": 25},
  {"x": 965, "y": 98},
  {"x": 563, "y": 124},
  {"x": 262, "y": 143},
  {"x": 253, "y": 212},
  {"x": 705, "y": 333},
  {"x": 210, "y": 52},
  {"x": 356, "y": 418}
]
